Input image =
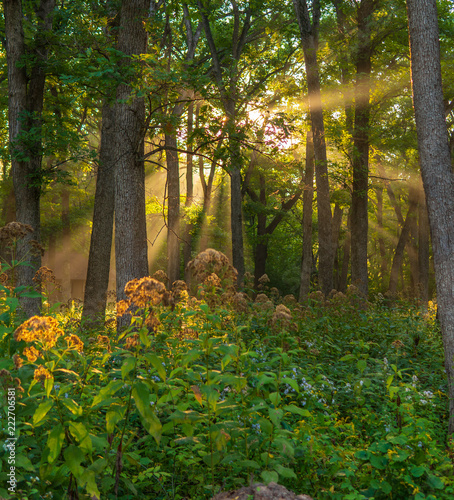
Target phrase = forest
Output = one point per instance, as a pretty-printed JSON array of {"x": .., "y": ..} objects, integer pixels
[{"x": 227, "y": 249}]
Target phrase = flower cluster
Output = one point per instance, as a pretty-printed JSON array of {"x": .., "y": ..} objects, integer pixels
[{"x": 44, "y": 330}]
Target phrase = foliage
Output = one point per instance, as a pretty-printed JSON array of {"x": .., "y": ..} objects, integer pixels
[{"x": 328, "y": 399}]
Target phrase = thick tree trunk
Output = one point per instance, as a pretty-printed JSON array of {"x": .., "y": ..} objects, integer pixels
[
  {"x": 423, "y": 250},
  {"x": 97, "y": 283},
  {"x": 25, "y": 106},
  {"x": 359, "y": 214},
  {"x": 130, "y": 221},
  {"x": 325, "y": 239},
  {"x": 436, "y": 168},
  {"x": 308, "y": 196}
]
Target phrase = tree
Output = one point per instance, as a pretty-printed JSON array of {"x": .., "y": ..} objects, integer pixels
[
  {"x": 130, "y": 222},
  {"x": 26, "y": 81},
  {"x": 309, "y": 39},
  {"x": 436, "y": 167}
]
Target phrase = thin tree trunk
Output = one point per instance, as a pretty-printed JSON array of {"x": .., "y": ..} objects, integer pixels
[
  {"x": 399, "y": 253},
  {"x": 187, "y": 244},
  {"x": 412, "y": 249},
  {"x": 66, "y": 245},
  {"x": 173, "y": 205},
  {"x": 130, "y": 221},
  {"x": 436, "y": 167},
  {"x": 98, "y": 270},
  {"x": 345, "y": 257},
  {"x": 381, "y": 240},
  {"x": 308, "y": 196}
]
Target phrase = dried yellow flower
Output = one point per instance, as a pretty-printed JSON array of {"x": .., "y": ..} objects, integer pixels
[
  {"x": 74, "y": 342},
  {"x": 132, "y": 341},
  {"x": 41, "y": 374},
  {"x": 31, "y": 354},
  {"x": 122, "y": 307},
  {"x": 18, "y": 361},
  {"x": 145, "y": 291},
  {"x": 40, "y": 329}
]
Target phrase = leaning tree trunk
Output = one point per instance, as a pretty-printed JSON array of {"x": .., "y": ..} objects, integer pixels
[
  {"x": 130, "y": 221},
  {"x": 25, "y": 106},
  {"x": 98, "y": 271},
  {"x": 436, "y": 167}
]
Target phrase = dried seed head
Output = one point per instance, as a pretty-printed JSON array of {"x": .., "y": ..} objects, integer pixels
[{"x": 145, "y": 291}]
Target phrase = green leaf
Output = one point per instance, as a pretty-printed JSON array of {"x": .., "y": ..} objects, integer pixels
[
  {"x": 285, "y": 471},
  {"x": 275, "y": 398},
  {"x": 111, "y": 388},
  {"x": 55, "y": 442},
  {"x": 48, "y": 385},
  {"x": 150, "y": 421},
  {"x": 275, "y": 415},
  {"x": 361, "y": 365},
  {"x": 212, "y": 459},
  {"x": 248, "y": 464},
  {"x": 88, "y": 481},
  {"x": 41, "y": 412},
  {"x": 270, "y": 476},
  {"x": 417, "y": 471},
  {"x": 157, "y": 362},
  {"x": 113, "y": 417},
  {"x": 80, "y": 432},
  {"x": 348, "y": 357},
  {"x": 128, "y": 364},
  {"x": 72, "y": 406},
  {"x": 23, "y": 462},
  {"x": 378, "y": 462},
  {"x": 299, "y": 411},
  {"x": 73, "y": 458},
  {"x": 362, "y": 455},
  {"x": 292, "y": 383},
  {"x": 435, "y": 482}
]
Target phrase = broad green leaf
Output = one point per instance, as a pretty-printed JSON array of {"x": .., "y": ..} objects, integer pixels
[
  {"x": 299, "y": 411},
  {"x": 150, "y": 421},
  {"x": 417, "y": 471},
  {"x": 275, "y": 398},
  {"x": 275, "y": 416},
  {"x": 80, "y": 432},
  {"x": 72, "y": 406},
  {"x": 435, "y": 482},
  {"x": 378, "y": 462},
  {"x": 73, "y": 458},
  {"x": 111, "y": 388},
  {"x": 55, "y": 442},
  {"x": 113, "y": 417},
  {"x": 361, "y": 365},
  {"x": 248, "y": 464},
  {"x": 270, "y": 476},
  {"x": 24, "y": 463},
  {"x": 88, "y": 480},
  {"x": 128, "y": 364},
  {"x": 348, "y": 357},
  {"x": 292, "y": 383},
  {"x": 157, "y": 362},
  {"x": 48, "y": 385},
  {"x": 41, "y": 412},
  {"x": 284, "y": 471},
  {"x": 266, "y": 426},
  {"x": 212, "y": 459}
]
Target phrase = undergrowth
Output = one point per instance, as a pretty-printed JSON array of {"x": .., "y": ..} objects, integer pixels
[{"x": 336, "y": 399}]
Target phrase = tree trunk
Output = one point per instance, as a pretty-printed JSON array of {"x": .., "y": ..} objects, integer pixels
[
  {"x": 381, "y": 240},
  {"x": 325, "y": 239},
  {"x": 412, "y": 248},
  {"x": 345, "y": 257},
  {"x": 130, "y": 221},
  {"x": 436, "y": 168},
  {"x": 359, "y": 214},
  {"x": 423, "y": 250},
  {"x": 261, "y": 248},
  {"x": 308, "y": 196},
  {"x": 98, "y": 270},
  {"x": 173, "y": 206},
  {"x": 399, "y": 253},
  {"x": 25, "y": 106},
  {"x": 187, "y": 244},
  {"x": 66, "y": 245}
]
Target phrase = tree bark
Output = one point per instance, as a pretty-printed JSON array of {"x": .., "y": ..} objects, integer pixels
[
  {"x": 423, "y": 250},
  {"x": 360, "y": 164},
  {"x": 25, "y": 106},
  {"x": 187, "y": 244},
  {"x": 130, "y": 221},
  {"x": 436, "y": 168},
  {"x": 309, "y": 35},
  {"x": 399, "y": 253},
  {"x": 98, "y": 270},
  {"x": 308, "y": 196},
  {"x": 173, "y": 208}
]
